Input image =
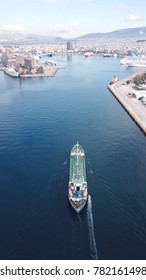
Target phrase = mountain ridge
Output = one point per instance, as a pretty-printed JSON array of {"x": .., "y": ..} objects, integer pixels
[
  {"x": 137, "y": 32},
  {"x": 23, "y": 38}
]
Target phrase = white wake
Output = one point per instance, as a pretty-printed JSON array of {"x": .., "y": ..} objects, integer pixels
[{"x": 92, "y": 241}]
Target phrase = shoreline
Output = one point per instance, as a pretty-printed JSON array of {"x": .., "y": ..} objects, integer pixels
[{"x": 133, "y": 107}]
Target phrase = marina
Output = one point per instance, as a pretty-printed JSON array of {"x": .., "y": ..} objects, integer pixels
[{"x": 127, "y": 97}]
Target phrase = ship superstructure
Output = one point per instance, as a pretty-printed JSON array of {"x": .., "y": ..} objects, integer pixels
[{"x": 77, "y": 189}]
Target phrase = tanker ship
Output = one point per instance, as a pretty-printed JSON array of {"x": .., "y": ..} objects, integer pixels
[{"x": 77, "y": 189}]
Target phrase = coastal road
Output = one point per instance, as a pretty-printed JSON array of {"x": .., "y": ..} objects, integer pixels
[{"x": 133, "y": 106}]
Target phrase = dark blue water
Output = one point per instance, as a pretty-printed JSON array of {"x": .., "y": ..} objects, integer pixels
[{"x": 40, "y": 120}]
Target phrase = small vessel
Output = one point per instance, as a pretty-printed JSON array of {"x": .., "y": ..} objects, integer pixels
[
  {"x": 108, "y": 54},
  {"x": 77, "y": 189},
  {"x": 114, "y": 80},
  {"x": 88, "y": 54},
  {"x": 11, "y": 72}
]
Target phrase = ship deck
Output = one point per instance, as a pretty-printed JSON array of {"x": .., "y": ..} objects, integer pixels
[{"x": 77, "y": 168}]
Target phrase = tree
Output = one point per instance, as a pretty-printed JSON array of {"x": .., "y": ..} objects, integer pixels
[{"x": 40, "y": 70}]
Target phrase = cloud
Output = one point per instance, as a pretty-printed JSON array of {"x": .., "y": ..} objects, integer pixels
[
  {"x": 13, "y": 28},
  {"x": 132, "y": 18},
  {"x": 66, "y": 28}
]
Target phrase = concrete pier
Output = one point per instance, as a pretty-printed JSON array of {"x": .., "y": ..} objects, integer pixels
[
  {"x": 49, "y": 71},
  {"x": 133, "y": 106}
]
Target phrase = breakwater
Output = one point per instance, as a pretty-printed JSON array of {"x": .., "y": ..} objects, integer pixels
[{"x": 133, "y": 106}]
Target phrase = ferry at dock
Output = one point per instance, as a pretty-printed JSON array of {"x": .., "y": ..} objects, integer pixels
[
  {"x": 140, "y": 62},
  {"x": 134, "y": 61},
  {"x": 77, "y": 189}
]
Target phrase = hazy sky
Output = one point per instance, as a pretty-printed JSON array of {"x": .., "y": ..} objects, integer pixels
[{"x": 70, "y": 18}]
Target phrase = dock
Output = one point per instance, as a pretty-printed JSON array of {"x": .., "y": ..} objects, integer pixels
[
  {"x": 133, "y": 106},
  {"x": 49, "y": 71}
]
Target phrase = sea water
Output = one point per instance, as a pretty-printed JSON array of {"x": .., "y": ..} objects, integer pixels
[{"x": 40, "y": 121}]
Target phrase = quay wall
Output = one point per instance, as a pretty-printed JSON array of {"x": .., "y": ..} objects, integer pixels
[
  {"x": 118, "y": 92},
  {"x": 36, "y": 75},
  {"x": 48, "y": 72}
]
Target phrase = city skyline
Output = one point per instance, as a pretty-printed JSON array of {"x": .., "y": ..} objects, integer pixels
[{"x": 68, "y": 18}]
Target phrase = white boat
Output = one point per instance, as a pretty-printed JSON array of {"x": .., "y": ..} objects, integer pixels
[
  {"x": 114, "y": 80},
  {"x": 125, "y": 60},
  {"x": 128, "y": 59},
  {"x": 134, "y": 61},
  {"x": 11, "y": 72},
  {"x": 139, "y": 62},
  {"x": 108, "y": 54},
  {"x": 88, "y": 54}
]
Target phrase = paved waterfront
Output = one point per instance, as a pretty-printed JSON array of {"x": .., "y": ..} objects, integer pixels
[
  {"x": 49, "y": 71},
  {"x": 132, "y": 105}
]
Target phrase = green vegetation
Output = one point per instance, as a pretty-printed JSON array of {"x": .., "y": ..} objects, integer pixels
[
  {"x": 140, "y": 79},
  {"x": 40, "y": 70}
]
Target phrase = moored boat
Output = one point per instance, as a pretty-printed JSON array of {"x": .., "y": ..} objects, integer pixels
[
  {"x": 77, "y": 189},
  {"x": 11, "y": 72},
  {"x": 114, "y": 80},
  {"x": 88, "y": 54},
  {"x": 108, "y": 54},
  {"x": 125, "y": 60},
  {"x": 138, "y": 63},
  {"x": 134, "y": 61}
]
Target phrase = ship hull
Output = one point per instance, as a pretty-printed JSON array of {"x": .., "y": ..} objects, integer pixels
[
  {"x": 138, "y": 64},
  {"x": 88, "y": 54},
  {"x": 77, "y": 189},
  {"x": 11, "y": 73}
]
